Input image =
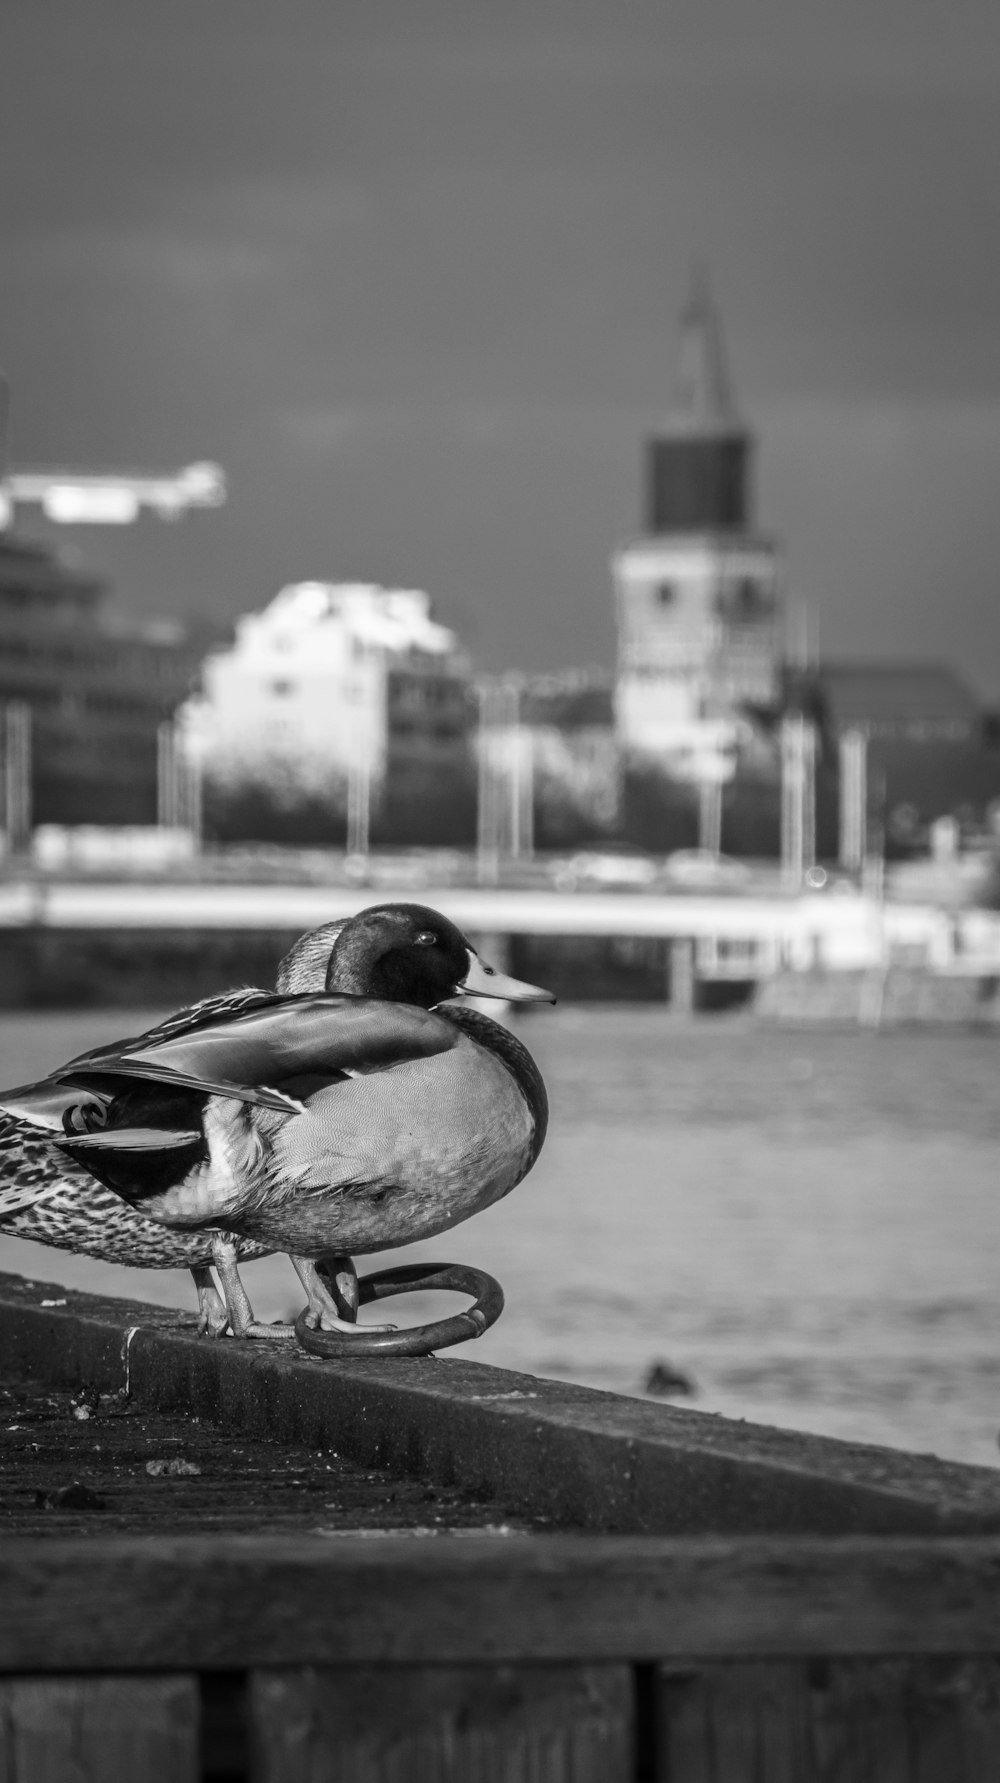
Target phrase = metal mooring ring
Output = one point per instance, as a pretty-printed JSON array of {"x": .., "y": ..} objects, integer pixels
[{"x": 419, "y": 1340}]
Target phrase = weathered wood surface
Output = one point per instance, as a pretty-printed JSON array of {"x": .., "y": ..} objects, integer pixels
[
  {"x": 300, "y": 1646},
  {"x": 233, "y": 1601},
  {"x": 734, "y": 1723},
  {"x": 838, "y": 1721},
  {"x": 923, "y": 1720},
  {"x": 445, "y": 1724},
  {"x": 103, "y": 1467},
  {"x": 550, "y": 1451},
  {"x": 99, "y": 1730}
]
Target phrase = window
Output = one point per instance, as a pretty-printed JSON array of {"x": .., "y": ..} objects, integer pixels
[{"x": 745, "y": 599}]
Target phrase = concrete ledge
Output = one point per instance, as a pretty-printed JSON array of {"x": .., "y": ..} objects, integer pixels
[{"x": 570, "y": 1457}]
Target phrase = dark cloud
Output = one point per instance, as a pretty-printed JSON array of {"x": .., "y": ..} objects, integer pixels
[{"x": 411, "y": 273}]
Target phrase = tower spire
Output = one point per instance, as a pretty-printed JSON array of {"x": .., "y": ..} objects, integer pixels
[
  {"x": 698, "y": 461},
  {"x": 702, "y": 399}
]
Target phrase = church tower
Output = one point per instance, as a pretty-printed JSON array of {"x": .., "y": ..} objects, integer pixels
[{"x": 697, "y": 595}]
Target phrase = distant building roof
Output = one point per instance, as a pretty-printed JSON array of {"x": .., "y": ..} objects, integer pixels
[
  {"x": 325, "y": 620},
  {"x": 896, "y": 697}
]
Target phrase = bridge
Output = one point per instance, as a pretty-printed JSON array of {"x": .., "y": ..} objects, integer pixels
[{"x": 734, "y": 934}]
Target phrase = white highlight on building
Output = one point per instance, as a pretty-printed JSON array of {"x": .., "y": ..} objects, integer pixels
[{"x": 302, "y": 696}]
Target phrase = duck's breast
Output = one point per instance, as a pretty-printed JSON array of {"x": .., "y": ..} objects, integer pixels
[{"x": 400, "y": 1153}]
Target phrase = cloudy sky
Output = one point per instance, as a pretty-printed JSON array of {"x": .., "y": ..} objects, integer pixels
[{"x": 410, "y": 270}]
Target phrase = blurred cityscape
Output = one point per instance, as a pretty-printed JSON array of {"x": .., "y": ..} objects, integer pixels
[{"x": 343, "y": 735}]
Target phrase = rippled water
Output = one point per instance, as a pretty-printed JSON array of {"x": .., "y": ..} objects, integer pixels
[{"x": 805, "y": 1224}]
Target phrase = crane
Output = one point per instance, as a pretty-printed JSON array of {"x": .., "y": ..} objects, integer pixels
[
  {"x": 112, "y": 498},
  {"x": 72, "y": 497}
]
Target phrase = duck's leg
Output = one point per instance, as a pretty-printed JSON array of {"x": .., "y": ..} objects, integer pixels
[
  {"x": 224, "y": 1256},
  {"x": 213, "y": 1319},
  {"x": 332, "y": 1292},
  {"x": 340, "y": 1277}
]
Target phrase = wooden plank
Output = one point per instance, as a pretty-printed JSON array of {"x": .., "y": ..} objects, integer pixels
[
  {"x": 99, "y": 1730},
  {"x": 899, "y": 1720},
  {"x": 125, "y": 1471},
  {"x": 567, "y": 1455},
  {"x": 907, "y": 1721},
  {"x": 449, "y": 1724},
  {"x": 227, "y": 1602},
  {"x": 733, "y": 1723}
]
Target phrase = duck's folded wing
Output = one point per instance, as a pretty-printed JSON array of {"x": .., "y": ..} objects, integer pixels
[
  {"x": 77, "y": 1097},
  {"x": 249, "y": 1056},
  {"x": 131, "y": 1139},
  {"x": 82, "y": 1102},
  {"x": 57, "y": 1105},
  {"x": 226, "y": 1006}
]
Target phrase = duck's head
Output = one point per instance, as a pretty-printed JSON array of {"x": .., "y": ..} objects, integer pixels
[{"x": 411, "y": 954}]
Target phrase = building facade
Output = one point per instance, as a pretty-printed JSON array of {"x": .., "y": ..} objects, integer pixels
[
  {"x": 700, "y": 619},
  {"x": 698, "y": 595},
  {"x": 568, "y": 717},
  {"x": 909, "y": 745},
  {"x": 84, "y": 697},
  {"x": 339, "y": 704}
]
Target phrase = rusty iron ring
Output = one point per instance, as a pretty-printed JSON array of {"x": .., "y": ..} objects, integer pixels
[{"x": 418, "y": 1340}]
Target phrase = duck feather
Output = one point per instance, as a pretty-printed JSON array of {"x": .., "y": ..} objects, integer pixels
[{"x": 328, "y": 1034}]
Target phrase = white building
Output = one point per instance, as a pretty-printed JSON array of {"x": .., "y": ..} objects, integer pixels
[{"x": 320, "y": 688}]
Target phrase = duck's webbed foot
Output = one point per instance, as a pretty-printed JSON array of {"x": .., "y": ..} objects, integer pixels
[
  {"x": 213, "y": 1319},
  {"x": 224, "y": 1255},
  {"x": 331, "y": 1287}
]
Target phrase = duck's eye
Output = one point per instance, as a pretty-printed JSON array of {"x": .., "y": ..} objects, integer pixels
[{"x": 426, "y": 938}]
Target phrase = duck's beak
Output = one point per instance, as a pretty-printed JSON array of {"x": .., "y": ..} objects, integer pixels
[{"x": 482, "y": 980}]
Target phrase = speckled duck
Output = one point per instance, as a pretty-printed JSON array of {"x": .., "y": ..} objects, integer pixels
[{"x": 359, "y": 1119}]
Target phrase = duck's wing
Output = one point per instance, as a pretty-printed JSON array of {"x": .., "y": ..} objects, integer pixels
[
  {"x": 322, "y": 1036},
  {"x": 56, "y": 1106},
  {"x": 48, "y": 1105},
  {"x": 80, "y": 1099},
  {"x": 247, "y": 1056},
  {"x": 225, "y": 1006}
]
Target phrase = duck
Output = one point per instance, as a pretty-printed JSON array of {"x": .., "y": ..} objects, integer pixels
[
  {"x": 362, "y": 1117},
  {"x": 47, "y": 1197}
]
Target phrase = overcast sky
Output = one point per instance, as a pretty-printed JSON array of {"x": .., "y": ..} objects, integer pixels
[{"x": 410, "y": 270}]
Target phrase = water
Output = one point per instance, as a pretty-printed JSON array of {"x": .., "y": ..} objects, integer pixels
[{"x": 806, "y": 1224}]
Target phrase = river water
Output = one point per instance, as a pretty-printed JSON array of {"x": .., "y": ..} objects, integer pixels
[{"x": 804, "y": 1224}]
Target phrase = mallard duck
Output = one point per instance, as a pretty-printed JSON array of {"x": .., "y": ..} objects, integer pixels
[
  {"x": 360, "y": 1118},
  {"x": 48, "y": 1197}
]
